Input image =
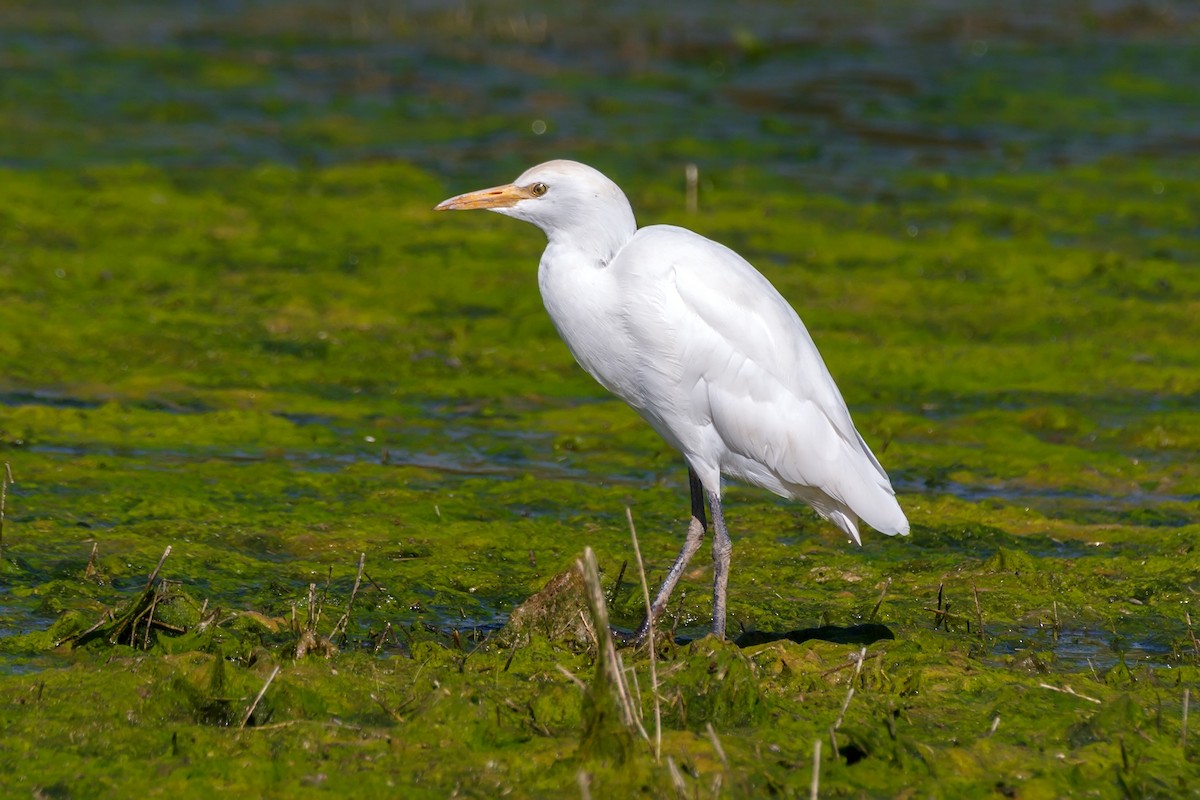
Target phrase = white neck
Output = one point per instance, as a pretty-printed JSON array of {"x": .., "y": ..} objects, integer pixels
[{"x": 597, "y": 240}]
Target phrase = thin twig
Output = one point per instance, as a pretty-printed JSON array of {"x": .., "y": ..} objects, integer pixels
[
  {"x": 716, "y": 743},
  {"x": 386, "y": 708},
  {"x": 149, "y": 620},
  {"x": 383, "y": 637},
  {"x": 691, "y": 175},
  {"x": 154, "y": 574},
  {"x": 995, "y": 725},
  {"x": 1070, "y": 691},
  {"x": 375, "y": 583},
  {"x": 90, "y": 572},
  {"x": 616, "y": 587},
  {"x": 979, "y": 613},
  {"x": 261, "y": 692},
  {"x": 588, "y": 628},
  {"x": 345, "y": 620},
  {"x": 463, "y": 662},
  {"x": 637, "y": 690},
  {"x": 574, "y": 679},
  {"x": 862, "y": 656},
  {"x": 1187, "y": 693},
  {"x": 942, "y": 616},
  {"x": 314, "y": 610},
  {"x": 633, "y": 719},
  {"x": 287, "y": 723},
  {"x": 676, "y": 777},
  {"x": 610, "y": 660},
  {"x": 879, "y": 602},
  {"x": 106, "y": 618},
  {"x": 815, "y": 788},
  {"x": 512, "y": 652},
  {"x": 849, "y": 663},
  {"x": 5, "y": 481},
  {"x": 637, "y": 552},
  {"x": 394, "y": 713}
]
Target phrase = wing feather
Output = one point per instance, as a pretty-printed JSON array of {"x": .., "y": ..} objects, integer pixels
[{"x": 726, "y": 357}]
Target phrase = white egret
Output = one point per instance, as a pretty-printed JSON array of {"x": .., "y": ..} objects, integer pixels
[{"x": 705, "y": 349}]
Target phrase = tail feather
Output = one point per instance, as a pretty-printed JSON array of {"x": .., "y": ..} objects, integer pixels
[{"x": 883, "y": 513}]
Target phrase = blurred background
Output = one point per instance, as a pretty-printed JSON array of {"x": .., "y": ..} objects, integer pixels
[{"x": 836, "y": 95}]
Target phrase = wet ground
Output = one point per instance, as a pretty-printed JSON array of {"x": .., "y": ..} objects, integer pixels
[{"x": 233, "y": 326}]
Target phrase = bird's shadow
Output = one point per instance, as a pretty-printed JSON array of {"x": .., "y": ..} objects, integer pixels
[{"x": 865, "y": 634}]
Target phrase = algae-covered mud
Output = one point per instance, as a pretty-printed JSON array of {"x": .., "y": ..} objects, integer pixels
[{"x": 282, "y": 451}]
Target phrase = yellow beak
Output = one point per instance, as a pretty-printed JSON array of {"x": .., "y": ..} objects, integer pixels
[{"x": 496, "y": 197}]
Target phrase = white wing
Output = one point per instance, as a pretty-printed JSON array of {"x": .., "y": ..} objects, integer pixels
[{"x": 731, "y": 377}]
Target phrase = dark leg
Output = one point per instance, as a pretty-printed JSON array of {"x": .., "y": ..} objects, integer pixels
[
  {"x": 691, "y": 544},
  {"x": 722, "y": 551}
]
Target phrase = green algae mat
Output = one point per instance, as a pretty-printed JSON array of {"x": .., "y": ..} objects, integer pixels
[{"x": 296, "y": 473}]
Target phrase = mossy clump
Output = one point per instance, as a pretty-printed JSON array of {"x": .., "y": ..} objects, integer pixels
[
  {"x": 712, "y": 681},
  {"x": 558, "y": 612}
]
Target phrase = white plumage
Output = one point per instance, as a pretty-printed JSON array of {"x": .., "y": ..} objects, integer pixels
[{"x": 704, "y": 348}]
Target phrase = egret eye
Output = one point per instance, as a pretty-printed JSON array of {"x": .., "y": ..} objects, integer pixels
[{"x": 539, "y": 189}]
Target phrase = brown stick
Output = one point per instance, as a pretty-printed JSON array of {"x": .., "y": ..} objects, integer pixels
[
  {"x": 637, "y": 552},
  {"x": 875, "y": 611},
  {"x": 90, "y": 570},
  {"x": 345, "y": 620},
  {"x": 261, "y": 692},
  {"x": 979, "y": 613},
  {"x": 149, "y": 621},
  {"x": 610, "y": 661},
  {"x": 154, "y": 575}
]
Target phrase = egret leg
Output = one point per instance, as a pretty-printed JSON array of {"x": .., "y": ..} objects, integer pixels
[
  {"x": 722, "y": 552},
  {"x": 696, "y": 528}
]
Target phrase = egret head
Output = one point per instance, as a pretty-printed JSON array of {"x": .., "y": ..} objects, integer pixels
[{"x": 567, "y": 200}]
